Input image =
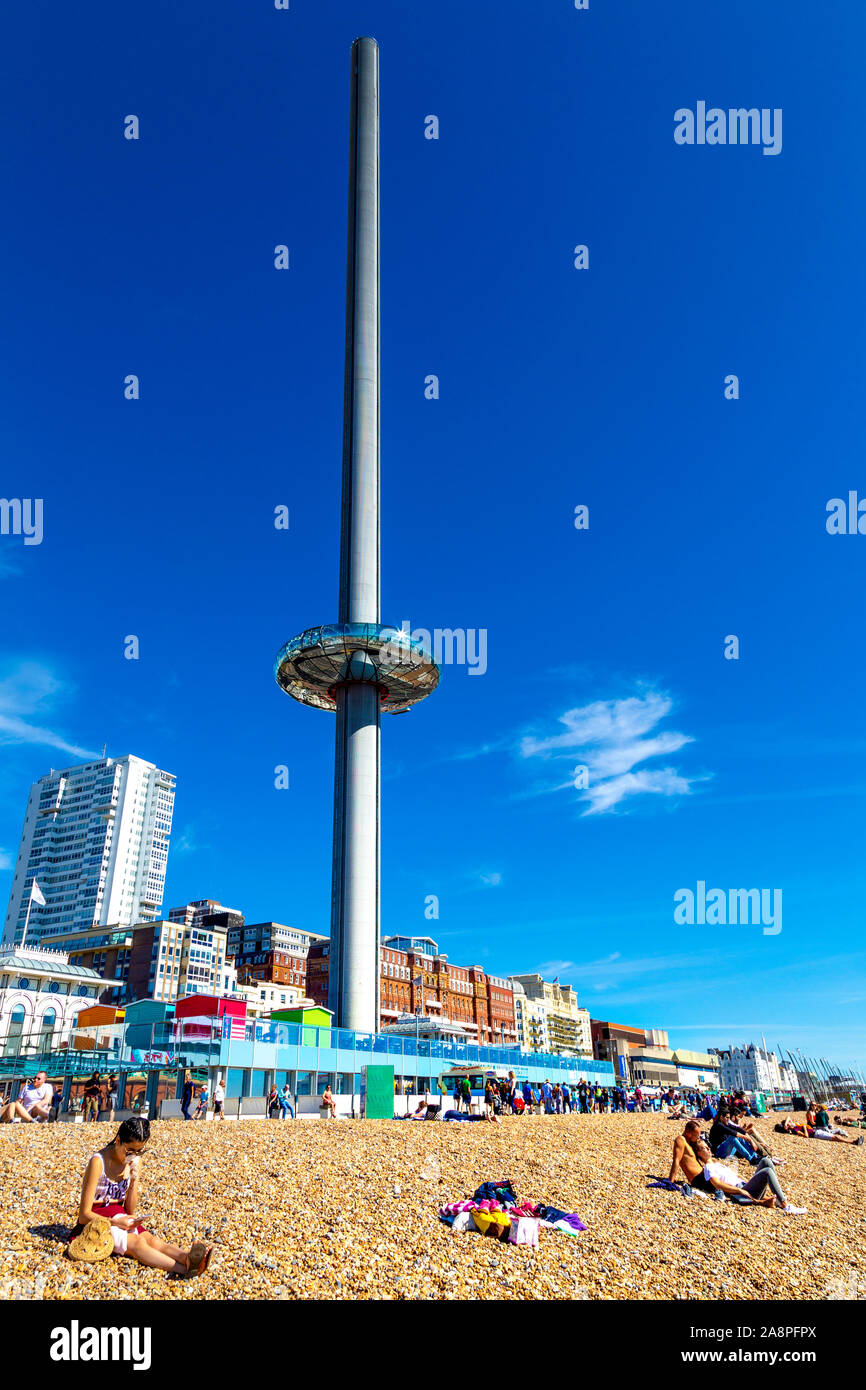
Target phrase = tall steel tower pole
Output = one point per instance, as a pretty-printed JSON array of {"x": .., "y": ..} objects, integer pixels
[
  {"x": 358, "y": 667},
  {"x": 354, "y": 958}
]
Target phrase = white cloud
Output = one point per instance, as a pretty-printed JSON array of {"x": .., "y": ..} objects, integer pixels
[
  {"x": 185, "y": 842},
  {"x": 5, "y": 859},
  {"x": 609, "y": 738},
  {"x": 30, "y": 689},
  {"x": 492, "y": 880}
]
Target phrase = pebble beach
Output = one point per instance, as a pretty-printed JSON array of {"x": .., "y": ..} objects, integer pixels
[{"x": 349, "y": 1209}]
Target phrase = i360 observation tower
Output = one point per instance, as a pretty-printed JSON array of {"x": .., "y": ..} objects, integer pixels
[{"x": 358, "y": 667}]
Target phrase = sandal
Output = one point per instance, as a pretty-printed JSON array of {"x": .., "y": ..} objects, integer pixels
[{"x": 198, "y": 1257}]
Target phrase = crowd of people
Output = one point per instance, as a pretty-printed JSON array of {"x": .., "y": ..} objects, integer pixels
[
  {"x": 507, "y": 1095},
  {"x": 36, "y": 1099},
  {"x": 699, "y": 1157}
]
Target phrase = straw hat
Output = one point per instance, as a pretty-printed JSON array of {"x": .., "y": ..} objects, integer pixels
[{"x": 96, "y": 1242}]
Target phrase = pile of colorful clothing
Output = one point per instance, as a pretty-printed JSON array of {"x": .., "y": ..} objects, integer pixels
[{"x": 496, "y": 1210}]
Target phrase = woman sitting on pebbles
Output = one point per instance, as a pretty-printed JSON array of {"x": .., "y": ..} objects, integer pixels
[{"x": 106, "y": 1221}]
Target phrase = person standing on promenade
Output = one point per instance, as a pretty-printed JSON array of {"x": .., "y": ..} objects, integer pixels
[
  {"x": 488, "y": 1097},
  {"x": 219, "y": 1096},
  {"x": 112, "y": 1095},
  {"x": 566, "y": 1097},
  {"x": 203, "y": 1098},
  {"x": 92, "y": 1093},
  {"x": 186, "y": 1096},
  {"x": 466, "y": 1094}
]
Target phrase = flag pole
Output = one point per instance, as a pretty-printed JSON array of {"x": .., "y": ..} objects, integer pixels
[{"x": 27, "y": 918}]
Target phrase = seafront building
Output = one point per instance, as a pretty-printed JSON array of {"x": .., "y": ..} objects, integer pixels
[
  {"x": 552, "y": 1014},
  {"x": 203, "y": 912},
  {"x": 41, "y": 993},
  {"x": 94, "y": 846},
  {"x": 417, "y": 978},
  {"x": 640, "y": 1056},
  {"x": 753, "y": 1068},
  {"x": 530, "y": 1020},
  {"x": 252, "y": 937},
  {"x": 169, "y": 960},
  {"x": 280, "y": 968},
  {"x": 263, "y": 1000},
  {"x": 696, "y": 1069},
  {"x": 261, "y": 1032},
  {"x": 106, "y": 950},
  {"x": 148, "y": 1045}
]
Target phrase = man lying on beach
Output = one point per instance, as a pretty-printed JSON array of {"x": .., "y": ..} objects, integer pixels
[
  {"x": 693, "y": 1156},
  {"x": 458, "y": 1115},
  {"x": 34, "y": 1102}
]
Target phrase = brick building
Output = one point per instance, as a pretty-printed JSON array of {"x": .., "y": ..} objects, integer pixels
[
  {"x": 272, "y": 968},
  {"x": 415, "y": 977}
]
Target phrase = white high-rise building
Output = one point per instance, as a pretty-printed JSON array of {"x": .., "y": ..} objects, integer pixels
[{"x": 95, "y": 840}]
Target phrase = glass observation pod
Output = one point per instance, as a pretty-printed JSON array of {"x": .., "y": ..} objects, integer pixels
[{"x": 314, "y": 665}]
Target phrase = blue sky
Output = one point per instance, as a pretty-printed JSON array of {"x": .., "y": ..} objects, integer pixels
[{"x": 558, "y": 388}]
